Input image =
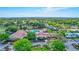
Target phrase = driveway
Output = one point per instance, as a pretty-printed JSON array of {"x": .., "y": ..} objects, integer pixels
[
  {"x": 39, "y": 43},
  {"x": 69, "y": 46}
]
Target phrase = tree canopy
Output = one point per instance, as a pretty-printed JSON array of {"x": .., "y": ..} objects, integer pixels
[
  {"x": 56, "y": 45},
  {"x": 22, "y": 45},
  {"x": 3, "y": 37},
  {"x": 31, "y": 36},
  {"x": 11, "y": 29}
]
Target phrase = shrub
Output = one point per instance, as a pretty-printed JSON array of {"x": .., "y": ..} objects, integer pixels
[
  {"x": 56, "y": 45},
  {"x": 62, "y": 32},
  {"x": 22, "y": 45},
  {"x": 4, "y": 37},
  {"x": 31, "y": 36},
  {"x": 39, "y": 49}
]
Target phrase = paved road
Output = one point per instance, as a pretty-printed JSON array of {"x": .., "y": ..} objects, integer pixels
[
  {"x": 69, "y": 46},
  {"x": 2, "y": 46},
  {"x": 38, "y": 43}
]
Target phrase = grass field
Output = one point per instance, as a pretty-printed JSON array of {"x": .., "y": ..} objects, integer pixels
[{"x": 2, "y": 29}]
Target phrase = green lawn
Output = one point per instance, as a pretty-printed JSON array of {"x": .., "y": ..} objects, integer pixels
[
  {"x": 2, "y": 29},
  {"x": 39, "y": 49}
]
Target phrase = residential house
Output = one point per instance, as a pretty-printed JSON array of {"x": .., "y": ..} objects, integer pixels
[
  {"x": 71, "y": 35},
  {"x": 44, "y": 34},
  {"x": 74, "y": 27},
  {"x": 17, "y": 35},
  {"x": 52, "y": 28}
]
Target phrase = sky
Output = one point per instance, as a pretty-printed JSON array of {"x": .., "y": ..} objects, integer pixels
[{"x": 39, "y": 12}]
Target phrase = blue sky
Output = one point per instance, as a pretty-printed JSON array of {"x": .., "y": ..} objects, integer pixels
[{"x": 39, "y": 12}]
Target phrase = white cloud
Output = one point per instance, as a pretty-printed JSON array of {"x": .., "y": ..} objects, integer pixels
[
  {"x": 50, "y": 11},
  {"x": 55, "y": 8}
]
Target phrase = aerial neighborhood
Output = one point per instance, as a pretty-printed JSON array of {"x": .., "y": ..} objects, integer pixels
[{"x": 39, "y": 34}]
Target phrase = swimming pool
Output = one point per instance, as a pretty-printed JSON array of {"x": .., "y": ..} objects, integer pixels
[{"x": 34, "y": 30}]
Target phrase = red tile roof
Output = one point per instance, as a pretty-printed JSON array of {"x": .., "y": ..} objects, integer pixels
[{"x": 18, "y": 35}]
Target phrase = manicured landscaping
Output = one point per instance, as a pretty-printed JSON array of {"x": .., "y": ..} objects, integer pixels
[{"x": 39, "y": 34}]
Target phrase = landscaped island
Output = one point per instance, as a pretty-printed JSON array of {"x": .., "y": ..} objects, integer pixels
[{"x": 39, "y": 34}]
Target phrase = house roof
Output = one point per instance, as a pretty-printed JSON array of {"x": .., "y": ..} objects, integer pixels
[
  {"x": 52, "y": 27},
  {"x": 43, "y": 34},
  {"x": 72, "y": 34},
  {"x": 18, "y": 35},
  {"x": 74, "y": 26}
]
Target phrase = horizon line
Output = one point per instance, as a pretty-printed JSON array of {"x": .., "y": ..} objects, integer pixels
[{"x": 39, "y": 17}]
